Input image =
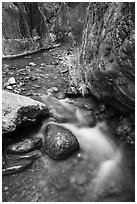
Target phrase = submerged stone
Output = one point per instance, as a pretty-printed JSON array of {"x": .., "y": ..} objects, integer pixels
[
  {"x": 59, "y": 142},
  {"x": 17, "y": 168},
  {"x": 24, "y": 146},
  {"x": 124, "y": 127}
]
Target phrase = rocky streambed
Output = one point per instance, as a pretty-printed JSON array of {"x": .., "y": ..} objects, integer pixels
[{"x": 57, "y": 170}]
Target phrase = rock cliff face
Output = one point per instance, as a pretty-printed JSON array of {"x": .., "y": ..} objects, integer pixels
[
  {"x": 107, "y": 54},
  {"x": 29, "y": 26},
  {"x": 24, "y": 29},
  {"x": 107, "y": 58}
]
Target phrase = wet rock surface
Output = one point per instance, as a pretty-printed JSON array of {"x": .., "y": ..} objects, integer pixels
[
  {"x": 126, "y": 130},
  {"x": 59, "y": 24},
  {"x": 60, "y": 110},
  {"x": 37, "y": 177},
  {"x": 17, "y": 109},
  {"x": 56, "y": 181},
  {"x": 108, "y": 55},
  {"x": 59, "y": 143},
  {"x": 42, "y": 178},
  {"x": 18, "y": 36},
  {"x": 72, "y": 92},
  {"x": 25, "y": 146},
  {"x": 35, "y": 81}
]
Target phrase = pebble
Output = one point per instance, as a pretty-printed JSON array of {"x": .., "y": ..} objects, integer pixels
[
  {"x": 5, "y": 84},
  {"x": 81, "y": 179},
  {"x": 36, "y": 94},
  {"x": 56, "y": 63},
  {"x": 49, "y": 93},
  {"x": 52, "y": 63},
  {"x": 42, "y": 75},
  {"x": 5, "y": 188},
  {"x": 72, "y": 179},
  {"x": 27, "y": 57},
  {"x": 17, "y": 91},
  {"x": 26, "y": 78},
  {"x": 23, "y": 89},
  {"x": 88, "y": 106},
  {"x": 36, "y": 86},
  {"x": 16, "y": 168},
  {"x": 27, "y": 67},
  {"x": 12, "y": 81},
  {"x": 32, "y": 64},
  {"x": 13, "y": 67},
  {"x": 21, "y": 83},
  {"x": 42, "y": 64},
  {"x": 34, "y": 78},
  {"x": 55, "y": 89},
  {"x": 23, "y": 73},
  {"x": 28, "y": 94},
  {"x": 9, "y": 87},
  {"x": 6, "y": 65},
  {"x": 50, "y": 90}
]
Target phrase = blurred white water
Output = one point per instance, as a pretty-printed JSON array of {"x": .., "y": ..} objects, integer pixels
[{"x": 99, "y": 148}]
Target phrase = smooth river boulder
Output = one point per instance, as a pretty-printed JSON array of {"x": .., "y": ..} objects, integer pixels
[
  {"x": 59, "y": 143},
  {"x": 18, "y": 110}
]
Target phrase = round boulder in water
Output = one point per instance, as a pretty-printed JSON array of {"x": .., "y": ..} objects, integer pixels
[{"x": 60, "y": 142}]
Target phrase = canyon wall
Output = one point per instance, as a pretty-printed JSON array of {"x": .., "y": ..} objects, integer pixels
[
  {"x": 28, "y": 26},
  {"x": 107, "y": 55}
]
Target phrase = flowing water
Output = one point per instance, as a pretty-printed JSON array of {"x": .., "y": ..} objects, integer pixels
[
  {"x": 105, "y": 159},
  {"x": 103, "y": 170}
]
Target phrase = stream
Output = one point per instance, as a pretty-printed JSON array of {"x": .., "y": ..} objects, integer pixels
[{"x": 71, "y": 179}]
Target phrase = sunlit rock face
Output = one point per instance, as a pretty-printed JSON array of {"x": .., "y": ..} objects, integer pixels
[
  {"x": 29, "y": 26},
  {"x": 18, "y": 110},
  {"x": 24, "y": 27},
  {"x": 107, "y": 59}
]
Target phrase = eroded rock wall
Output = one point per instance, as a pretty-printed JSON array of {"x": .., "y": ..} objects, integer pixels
[
  {"x": 24, "y": 29},
  {"x": 31, "y": 26},
  {"x": 107, "y": 58}
]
